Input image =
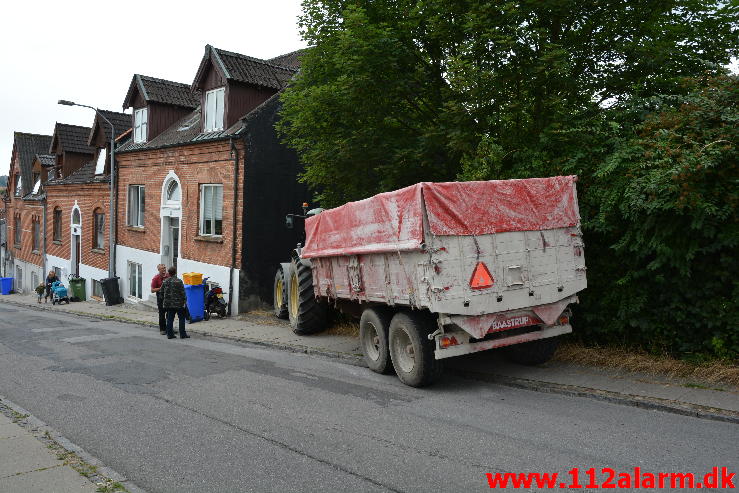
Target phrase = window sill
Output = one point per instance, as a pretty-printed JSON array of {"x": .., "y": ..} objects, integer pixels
[
  {"x": 57, "y": 242},
  {"x": 35, "y": 252},
  {"x": 209, "y": 239},
  {"x": 138, "y": 229},
  {"x": 17, "y": 246},
  {"x": 98, "y": 251}
]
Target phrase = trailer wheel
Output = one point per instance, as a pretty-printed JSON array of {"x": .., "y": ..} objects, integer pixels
[
  {"x": 534, "y": 352},
  {"x": 373, "y": 335},
  {"x": 307, "y": 314},
  {"x": 280, "y": 294},
  {"x": 411, "y": 352}
]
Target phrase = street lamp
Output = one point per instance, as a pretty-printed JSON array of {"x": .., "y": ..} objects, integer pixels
[{"x": 111, "y": 229}]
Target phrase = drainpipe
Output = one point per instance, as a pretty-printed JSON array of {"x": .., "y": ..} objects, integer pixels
[
  {"x": 235, "y": 153},
  {"x": 43, "y": 246}
]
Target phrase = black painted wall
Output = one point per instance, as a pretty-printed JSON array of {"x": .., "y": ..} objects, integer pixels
[{"x": 271, "y": 191}]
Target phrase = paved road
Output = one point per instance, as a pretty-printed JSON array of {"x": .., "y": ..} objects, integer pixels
[{"x": 202, "y": 415}]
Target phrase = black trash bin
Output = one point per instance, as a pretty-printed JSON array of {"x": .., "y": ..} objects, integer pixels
[{"x": 111, "y": 291}]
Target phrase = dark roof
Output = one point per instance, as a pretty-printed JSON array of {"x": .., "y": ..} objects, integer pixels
[
  {"x": 46, "y": 160},
  {"x": 121, "y": 122},
  {"x": 28, "y": 146},
  {"x": 162, "y": 91},
  {"x": 184, "y": 131},
  {"x": 71, "y": 138},
  {"x": 85, "y": 174},
  {"x": 242, "y": 68},
  {"x": 289, "y": 60}
]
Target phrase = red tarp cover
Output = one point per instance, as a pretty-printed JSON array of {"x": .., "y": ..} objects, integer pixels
[{"x": 393, "y": 221}]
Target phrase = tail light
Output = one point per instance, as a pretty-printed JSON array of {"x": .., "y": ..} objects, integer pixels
[
  {"x": 447, "y": 341},
  {"x": 563, "y": 320},
  {"x": 481, "y": 277}
]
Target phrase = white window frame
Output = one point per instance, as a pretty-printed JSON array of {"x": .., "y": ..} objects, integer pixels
[
  {"x": 140, "y": 125},
  {"x": 135, "y": 281},
  {"x": 208, "y": 224},
  {"x": 135, "y": 212},
  {"x": 98, "y": 230},
  {"x": 214, "y": 110},
  {"x": 100, "y": 163}
]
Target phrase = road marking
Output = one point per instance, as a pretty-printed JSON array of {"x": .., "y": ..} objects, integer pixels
[
  {"x": 54, "y": 329},
  {"x": 92, "y": 338}
]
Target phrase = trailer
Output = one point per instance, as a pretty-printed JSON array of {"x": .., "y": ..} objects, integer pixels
[{"x": 438, "y": 270}]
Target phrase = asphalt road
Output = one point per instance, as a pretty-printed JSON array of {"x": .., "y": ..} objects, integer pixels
[{"x": 203, "y": 415}]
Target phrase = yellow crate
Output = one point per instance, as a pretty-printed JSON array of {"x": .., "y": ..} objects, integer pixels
[{"x": 192, "y": 278}]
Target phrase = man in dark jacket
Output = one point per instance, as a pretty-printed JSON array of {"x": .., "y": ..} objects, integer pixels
[
  {"x": 156, "y": 287},
  {"x": 173, "y": 301}
]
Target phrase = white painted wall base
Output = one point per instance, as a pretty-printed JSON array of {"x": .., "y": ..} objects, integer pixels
[
  {"x": 149, "y": 262},
  {"x": 61, "y": 263},
  {"x": 91, "y": 274},
  {"x": 26, "y": 284}
]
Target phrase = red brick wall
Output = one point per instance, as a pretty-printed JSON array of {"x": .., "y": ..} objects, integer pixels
[
  {"x": 88, "y": 197},
  {"x": 29, "y": 211},
  {"x": 194, "y": 164}
]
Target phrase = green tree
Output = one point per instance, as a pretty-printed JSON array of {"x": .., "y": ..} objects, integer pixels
[{"x": 394, "y": 92}]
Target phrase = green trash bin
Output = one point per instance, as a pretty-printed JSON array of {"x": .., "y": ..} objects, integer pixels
[{"x": 77, "y": 286}]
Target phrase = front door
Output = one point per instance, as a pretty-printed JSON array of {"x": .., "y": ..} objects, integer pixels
[
  {"x": 76, "y": 255},
  {"x": 174, "y": 239}
]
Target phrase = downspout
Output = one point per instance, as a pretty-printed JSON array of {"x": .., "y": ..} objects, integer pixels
[
  {"x": 43, "y": 246},
  {"x": 235, "y": 153}
]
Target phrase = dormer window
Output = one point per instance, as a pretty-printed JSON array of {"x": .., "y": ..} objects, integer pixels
[
  {"x": 100, "y": 163},
  {"x": 214, "y": 110},
  {"x": 140, "y": 124}
]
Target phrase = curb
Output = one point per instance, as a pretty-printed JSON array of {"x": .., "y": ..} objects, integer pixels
[
  {"x": 652, "y": 403},
  {"x": 31, "y": 421}
]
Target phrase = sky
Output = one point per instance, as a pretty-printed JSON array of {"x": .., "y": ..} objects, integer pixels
[{"x": 86, "y": 52}]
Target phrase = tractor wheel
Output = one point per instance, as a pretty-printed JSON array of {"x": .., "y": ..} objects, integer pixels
[
  {"x": 411, "y": 351},
  {"x": 373, "y": 336},
  {"x": 532, "y": 353},
  {"x": 307, "y": 314},
  {"x": 279, "y": 294}
]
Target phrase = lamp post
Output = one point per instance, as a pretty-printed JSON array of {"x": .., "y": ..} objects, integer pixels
[{"x": 111, "y": 220}]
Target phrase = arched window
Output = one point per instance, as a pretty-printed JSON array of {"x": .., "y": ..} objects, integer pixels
[
  {"x": 76, "y": 220},
  {"x": 98, "y": 229},
  {"x": 58, "y": 224},
  {"x": 173, "y": 191}
]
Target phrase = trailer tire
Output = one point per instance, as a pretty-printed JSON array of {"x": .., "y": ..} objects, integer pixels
[
  {"x": 307, "y": 314},
  {"x": 411, "y": 351},
  {"x": 532, "y": 353},
  {"x": 374, "y": 326},
  {"x": 279, "y": 294}
]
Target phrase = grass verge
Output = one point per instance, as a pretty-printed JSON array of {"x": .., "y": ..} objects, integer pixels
[{"x": 633, "y": 360}]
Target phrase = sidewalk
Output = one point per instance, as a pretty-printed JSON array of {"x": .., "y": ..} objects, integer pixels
[
  {"x": 26, "y": 464},
  {"x": 643, "y": 390}
]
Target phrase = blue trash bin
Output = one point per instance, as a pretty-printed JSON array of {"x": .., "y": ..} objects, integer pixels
[
  {"x": 6, "y": 285},
  {"x": 195, "y": 301}
]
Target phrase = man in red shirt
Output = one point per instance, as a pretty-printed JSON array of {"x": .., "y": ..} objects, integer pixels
[{"x": 156, "y": 286}]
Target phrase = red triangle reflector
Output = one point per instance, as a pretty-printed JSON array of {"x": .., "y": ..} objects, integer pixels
[{"x": 481, "y": 277}]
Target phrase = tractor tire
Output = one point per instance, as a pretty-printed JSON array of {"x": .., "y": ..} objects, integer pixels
[
  {"x": 374, "y": 326},
  {"x": 532, "y": 353},
  {"x": 411, "y": 351},
  {"x": 307, "y": 314},
  {"x": 279, "y": 294}
]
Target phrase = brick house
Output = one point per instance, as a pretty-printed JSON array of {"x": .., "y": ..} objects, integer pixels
[
  {"x": 184, "y": 175},
  {"x": 24, "y": 213},
  {"x": 77, "y": 203}
]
